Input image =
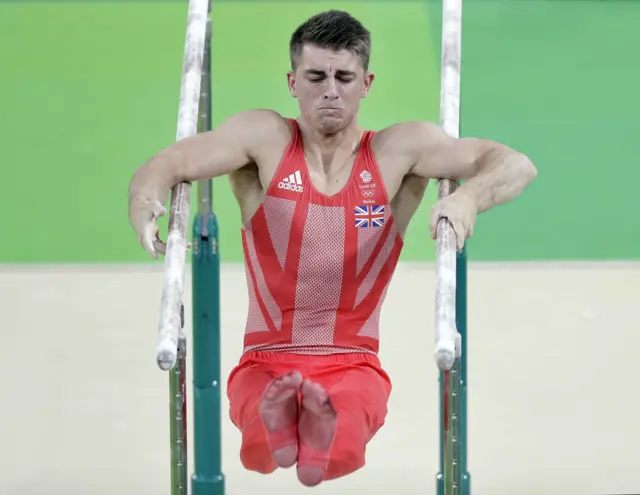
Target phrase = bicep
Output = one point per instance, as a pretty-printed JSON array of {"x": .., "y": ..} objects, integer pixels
[
  {"x": 226, "y": 149},
  {"x": 441, "y": 156}
]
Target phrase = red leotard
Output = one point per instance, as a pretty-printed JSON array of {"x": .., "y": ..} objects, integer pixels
[{"x": 318, "y": 267}]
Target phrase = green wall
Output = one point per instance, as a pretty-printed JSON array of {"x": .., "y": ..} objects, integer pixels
[{"x": 93, "y": 88}]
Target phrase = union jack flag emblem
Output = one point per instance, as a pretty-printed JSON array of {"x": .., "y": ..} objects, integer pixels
[{"x": 369, "y": 216}]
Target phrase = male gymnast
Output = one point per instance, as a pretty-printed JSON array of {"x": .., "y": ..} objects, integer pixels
[{"x": 325, "y": 206}]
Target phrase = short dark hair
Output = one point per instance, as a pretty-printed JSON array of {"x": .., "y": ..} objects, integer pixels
[{"x": 333, "y": 30}]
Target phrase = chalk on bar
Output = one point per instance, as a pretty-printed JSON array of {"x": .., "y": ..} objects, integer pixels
[
  {"x": 166, "y": 354},
  {"x": 445, "y": 353}
]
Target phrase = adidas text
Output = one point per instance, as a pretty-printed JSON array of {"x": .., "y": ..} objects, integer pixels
[{"x": 289, "y": 186}]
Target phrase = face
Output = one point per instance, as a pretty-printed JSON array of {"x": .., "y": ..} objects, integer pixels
[{"x": 329, "y": 86}]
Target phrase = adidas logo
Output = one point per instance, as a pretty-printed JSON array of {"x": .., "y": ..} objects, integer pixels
[{"x": 292, "y": 183}]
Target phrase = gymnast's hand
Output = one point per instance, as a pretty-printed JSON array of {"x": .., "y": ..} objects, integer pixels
[
  {"x": 461, "y": 211},
  {"x": 143, "y": 215}
]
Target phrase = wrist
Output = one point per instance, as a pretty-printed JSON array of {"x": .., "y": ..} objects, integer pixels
[
  {"x": 136, "y": 199},
  {"x": 467, "y": 195}
]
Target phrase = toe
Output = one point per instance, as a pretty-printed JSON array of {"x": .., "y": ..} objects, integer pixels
[{"x": 295, "y": 378}]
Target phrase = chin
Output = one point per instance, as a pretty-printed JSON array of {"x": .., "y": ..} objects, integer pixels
[{"x": 331, "y": 125}]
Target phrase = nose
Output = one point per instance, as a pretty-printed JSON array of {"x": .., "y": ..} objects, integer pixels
[{"x": 330, "y": 89}]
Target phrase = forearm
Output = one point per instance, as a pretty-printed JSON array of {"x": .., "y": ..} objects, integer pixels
[
  {"x": 154, "y": 179},
  {"x": 501, "y": 176}
]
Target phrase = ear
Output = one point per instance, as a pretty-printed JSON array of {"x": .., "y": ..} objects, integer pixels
[
  {"x": 291, "y": 82},
  {"x": 368, "y": 81}
]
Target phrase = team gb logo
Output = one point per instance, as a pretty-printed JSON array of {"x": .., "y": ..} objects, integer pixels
[{"x": 366, "y": 176}]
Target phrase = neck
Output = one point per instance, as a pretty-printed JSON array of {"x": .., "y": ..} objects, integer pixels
[{"x": 330, "y": 151}]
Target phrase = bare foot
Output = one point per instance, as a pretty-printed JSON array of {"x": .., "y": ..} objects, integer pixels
[
  {"x": 279, "y": 411},
  {"x": 316, "y": 429}
]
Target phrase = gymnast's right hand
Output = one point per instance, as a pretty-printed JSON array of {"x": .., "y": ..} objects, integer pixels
[{"x": 143, "y": 215}]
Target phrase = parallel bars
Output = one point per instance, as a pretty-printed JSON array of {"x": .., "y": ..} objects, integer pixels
[
  {"x": 450, "y": 322},
  {"x": 451, "y": 283},
  {"x": 194, "y": 116}
]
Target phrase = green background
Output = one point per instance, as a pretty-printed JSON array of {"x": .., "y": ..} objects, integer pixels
[{"x": 89, "y": 90}]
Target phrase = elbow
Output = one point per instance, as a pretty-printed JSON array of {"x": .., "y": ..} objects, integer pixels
[{"x": 527, "y": 169}]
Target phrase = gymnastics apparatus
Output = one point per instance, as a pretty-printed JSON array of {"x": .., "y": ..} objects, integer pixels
[{"x": 450, "y": 303}]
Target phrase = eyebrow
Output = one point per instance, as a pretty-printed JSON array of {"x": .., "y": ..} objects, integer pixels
[{"x": 318, "y": 72}]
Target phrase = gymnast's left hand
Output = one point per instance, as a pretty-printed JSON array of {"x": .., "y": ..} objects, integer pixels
[{"x": 461, "y": 210}]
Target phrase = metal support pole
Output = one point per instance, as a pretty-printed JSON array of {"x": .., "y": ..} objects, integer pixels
[
  {"x": 178, "y": 425},
  {"x": 461, "y": 322},
  {"x": 208, "y": 478},
  {"x": 453, "y": 478}
]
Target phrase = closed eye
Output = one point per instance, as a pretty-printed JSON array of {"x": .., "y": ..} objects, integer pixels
[{"x": 343, "y": 76}]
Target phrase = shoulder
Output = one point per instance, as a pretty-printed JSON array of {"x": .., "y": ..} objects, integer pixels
[
  {"x": 400, "y": 146},
  {"x": 260, "y": 125},
  {"x": 408, "y": 137},
  {"x": 259, "y": 133}
]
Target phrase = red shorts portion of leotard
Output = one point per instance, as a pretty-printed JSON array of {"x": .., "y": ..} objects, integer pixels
[{"x": 358, "y": 388}]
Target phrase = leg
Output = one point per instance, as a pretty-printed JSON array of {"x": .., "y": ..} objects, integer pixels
[
  {"x": 336, "y": 425},
  {"x": 263, "y": 400}
]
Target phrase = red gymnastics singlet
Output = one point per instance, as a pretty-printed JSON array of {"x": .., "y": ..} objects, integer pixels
[{"x": 318, "y": 267}]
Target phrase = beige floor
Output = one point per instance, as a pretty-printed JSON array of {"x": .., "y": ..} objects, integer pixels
[{"x": 554, "y": 402}]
